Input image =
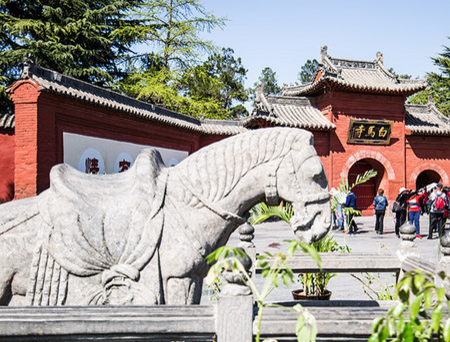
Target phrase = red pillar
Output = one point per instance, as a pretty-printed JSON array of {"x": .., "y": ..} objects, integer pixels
[{"x": 25, "y": 96}]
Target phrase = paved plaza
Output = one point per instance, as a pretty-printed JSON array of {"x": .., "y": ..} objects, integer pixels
[{"x": 270, "y": 237}]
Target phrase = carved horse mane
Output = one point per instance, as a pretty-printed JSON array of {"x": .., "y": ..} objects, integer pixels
[{"x": 214, "y": 171}]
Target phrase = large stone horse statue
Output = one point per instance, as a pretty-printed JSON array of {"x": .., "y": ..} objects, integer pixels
[{"x": 140, "y": 237}]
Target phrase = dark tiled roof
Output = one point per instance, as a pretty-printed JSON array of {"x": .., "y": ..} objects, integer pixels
[
  {"x": 7, "y": 121},
  {"x": 357, "y": 76},
  {"x": 223, "y": 127},
  {"x": 289, "y": 111},
  {"x": 54, "y": 82},
  {"x": 426, "y": 120}
]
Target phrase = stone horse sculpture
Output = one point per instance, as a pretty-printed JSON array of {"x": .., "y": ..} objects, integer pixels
[{"x": 140, "y": 237}]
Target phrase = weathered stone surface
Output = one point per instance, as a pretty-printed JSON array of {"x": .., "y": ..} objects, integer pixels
[
  {"x": 407, "y": 247},
  {"x": 140, "y": 237}
]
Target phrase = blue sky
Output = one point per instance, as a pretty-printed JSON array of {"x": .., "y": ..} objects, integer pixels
[{"x": 283, "y": 34}]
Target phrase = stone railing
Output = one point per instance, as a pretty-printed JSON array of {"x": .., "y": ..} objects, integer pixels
[
  {"x": 347, "y": 320},
  {"x": 232, "y": 318}
]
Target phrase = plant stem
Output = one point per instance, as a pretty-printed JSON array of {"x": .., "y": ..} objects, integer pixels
[{"x": 258, "y": 328}]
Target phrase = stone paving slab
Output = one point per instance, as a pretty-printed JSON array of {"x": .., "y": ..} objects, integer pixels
[{"x": 270, "y": 236}]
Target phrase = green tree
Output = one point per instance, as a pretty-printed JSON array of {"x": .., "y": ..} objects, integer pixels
[
  {"x": 308, "y": 71},
  {"x": 404, "y": 76},
  {"x": 171, "y": 28},
  {"x": 172, "y": 75},
  {"x": 438, "y": 90},
  {"x": 212, "y": 89},
  {"x": 268, "y": 78},
  {"x": 74, "y": 37},
  {"x": 227, "y": 75},
  {"x": 438, "y": 84},
  {"x": 161, "y": 86}
]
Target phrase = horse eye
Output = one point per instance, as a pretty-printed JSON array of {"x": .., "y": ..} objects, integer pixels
[{"x": 318, "y": 176}]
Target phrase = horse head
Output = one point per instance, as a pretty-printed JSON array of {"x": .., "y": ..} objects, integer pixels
[{"x": 299, "y": 178}]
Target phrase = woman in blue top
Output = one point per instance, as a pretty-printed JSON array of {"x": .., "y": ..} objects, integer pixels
[{"x": 380, "y": 203}]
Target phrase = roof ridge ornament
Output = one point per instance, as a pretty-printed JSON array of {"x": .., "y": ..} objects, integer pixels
[
  {"x": 28, "y": 62},
  {"x": 380, "y": 63},
  {"x": 323, "y": 53},
  {"x": 261, "y": 101},
  {"x": 431, "y": 102},
  {"x": 380, "y": 57},
  {"x": 327, "y": 64}
]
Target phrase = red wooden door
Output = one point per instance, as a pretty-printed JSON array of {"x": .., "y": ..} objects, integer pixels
[{"x": 365, "y": 193}]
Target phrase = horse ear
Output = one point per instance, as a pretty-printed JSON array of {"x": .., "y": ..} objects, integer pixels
[{"x": 149, "y": 165}]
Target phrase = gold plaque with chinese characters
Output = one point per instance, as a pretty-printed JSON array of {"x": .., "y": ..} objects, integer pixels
[{"x": 376, "y": 132}]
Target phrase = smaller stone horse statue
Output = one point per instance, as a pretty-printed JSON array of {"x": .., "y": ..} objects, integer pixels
[{"x": 140, "y": 237}]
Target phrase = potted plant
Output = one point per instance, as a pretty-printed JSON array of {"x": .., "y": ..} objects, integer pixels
[{"x": 314, "y": 285}]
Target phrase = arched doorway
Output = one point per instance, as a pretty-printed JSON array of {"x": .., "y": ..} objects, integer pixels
[
  {"x": 366, "y": 192},
  {"x": 427, "y": 177}
]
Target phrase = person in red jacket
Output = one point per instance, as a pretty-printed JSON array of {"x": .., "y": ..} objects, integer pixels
[{"x": 413, "y": 205}]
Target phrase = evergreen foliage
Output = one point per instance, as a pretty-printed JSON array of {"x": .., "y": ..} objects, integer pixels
[
  {"x": 308, "y": 71},
  {"x": 438, "y": 84},
  {"x": 220, "y": 79},
  {"x": 268, "y": 78},
  {"x": 91, "y": 40},
  {"x": 210, "y": 89},
  {"x": 74, "y": 37},
  {"x": 171, "y": 28}
]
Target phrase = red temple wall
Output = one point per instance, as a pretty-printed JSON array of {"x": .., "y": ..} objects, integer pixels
[
  {"x": 427, "y": 153},
  {"x": 206, "y": 140},
  {"x": 42, "y": 118},
  {"x": 6, "y": 165},
  {"x": 345, "y": 106}
]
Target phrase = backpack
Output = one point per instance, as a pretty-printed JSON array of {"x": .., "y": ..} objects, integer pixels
[
  {"x": 439, "y": 203},
  {"x": 396, "y": 207}
]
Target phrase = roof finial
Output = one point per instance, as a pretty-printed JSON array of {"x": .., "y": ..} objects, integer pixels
[
  {"x": 28, "y": 61},
  {"x": 323, "y": 53},
  {"x": 380, "y": 57},
  {"x": 259, "y": 92},
  {"x": 430, "y": 100}
]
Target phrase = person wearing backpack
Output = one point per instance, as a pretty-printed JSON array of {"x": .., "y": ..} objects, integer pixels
[
  {"x": 438, "y": 203},
  {"x": 380, "y": 203},
  {"x": 400, "y": 213}
]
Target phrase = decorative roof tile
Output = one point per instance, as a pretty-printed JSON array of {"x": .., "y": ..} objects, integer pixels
[
  {"x": 289, "y": 111},
  {"x": 223, "y": 127},
  {"x": 7, "y": 121},
  {"x": 54, "y": 82},
  {"x": 356, "y": 76},
  {"x": 426, "y": 120}
]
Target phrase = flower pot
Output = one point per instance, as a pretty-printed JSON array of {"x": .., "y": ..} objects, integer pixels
[{"x": 299, "y": 295}]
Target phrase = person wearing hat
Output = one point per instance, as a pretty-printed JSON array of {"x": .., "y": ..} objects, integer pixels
[
  {"x": 400, "y": 215},
  {"x": 438, "y": 202}
]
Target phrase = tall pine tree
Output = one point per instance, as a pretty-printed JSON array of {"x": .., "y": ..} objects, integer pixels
[
  {"x": 171, "y": 29},
  {"x": 74, "y": 37},
  {"x": 177, "y": 78},
  {"x": 308, "y": 71},
  {"x": 268, "y": 78},
  {"x": 439, "y": 84}
]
